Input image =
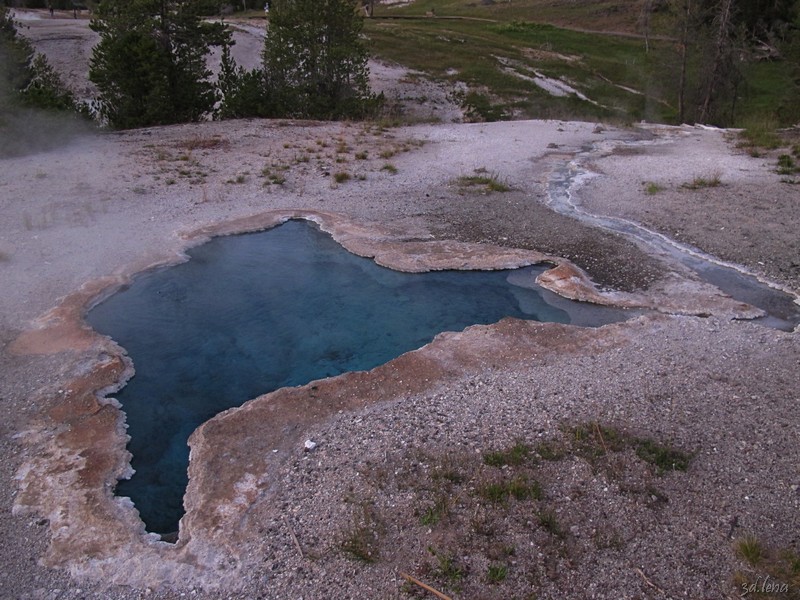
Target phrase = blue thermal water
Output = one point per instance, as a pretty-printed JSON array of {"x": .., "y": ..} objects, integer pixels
[{"x": 249, "y": 314}]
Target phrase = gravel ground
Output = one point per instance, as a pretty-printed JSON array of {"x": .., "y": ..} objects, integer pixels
[{"x": 400, "y": 481}]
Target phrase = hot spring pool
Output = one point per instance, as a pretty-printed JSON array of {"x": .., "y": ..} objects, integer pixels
[{"x": 249, "y": 314}]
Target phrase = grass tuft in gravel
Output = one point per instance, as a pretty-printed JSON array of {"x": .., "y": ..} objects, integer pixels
[
  {"x": 662, "y": 457},
  {"x": 497, "y": 573},
  {"x": 361, "y": 541},
  {"x": 749, "y": 548},
  {"x": 342, "y": 177},
  {"x": 489, "y": 183},
  {"x": 513, "y": 456},
  {"x": 651, "y": 189},
  {"x": 448, "y": 566},
  {"x": 593, "y": 441},
  {"x": 771, "y": 573},
  {"x": 549, "y": 522},
  {"x": 701, "y": 182},
  {"x": 519, "y": 488},
  {"x": 787, "y": 165}
]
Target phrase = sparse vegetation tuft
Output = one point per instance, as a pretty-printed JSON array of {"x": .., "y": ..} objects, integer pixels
[
  {"x": 342, "y": 177},
  {"x": 519, "y": 488},
  {"x": 549, "y": 522},
  {"x": 700, "y": 182},
  {"x": 434, "y": 513},
  {"x": 515, "y": 455},
  {"x": 497, "y": 573},
  {"x": 750, "y": 549},
  {"x": 662, "y": 457},
  {"x": 594, "y": 441},
  {"x": 652, "y": 188},
  {"x": 361, "y": 539},
  {"x": 448, "y": 567},
  {"x": 760, "y": 133},
  {"x": 787, "y": 165},
  {"x": 771, "y": 573},
  {"x": 489, "y": 182}
]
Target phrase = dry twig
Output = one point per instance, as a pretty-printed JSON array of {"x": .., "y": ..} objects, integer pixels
[
  {"x": 294, "y": 539},
  {"x": 648, "y": 582},
  {"x": 425, "y": 586}
]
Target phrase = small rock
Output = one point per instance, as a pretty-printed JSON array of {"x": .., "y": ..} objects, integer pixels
[{"x": 309, "y": 445}]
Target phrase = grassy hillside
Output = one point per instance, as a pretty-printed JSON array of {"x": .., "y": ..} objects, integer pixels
[
  {"x": 505, "y": 51},
  {"x": 603, "y": 15}
]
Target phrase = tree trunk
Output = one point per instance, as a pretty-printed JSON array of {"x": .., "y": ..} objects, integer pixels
[
  {"x": 644, "y": 17},
  {"x": 721, "y": 48},
  {"x": 684, "y": 42}
]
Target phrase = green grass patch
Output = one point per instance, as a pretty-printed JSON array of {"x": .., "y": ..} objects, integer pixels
[
  {"x": 769, "y": 94},
  {"x": 516, "y": 455},
  {"x": 497, "y": 62},
  {"x": 787, "y": 165},
  {"x": 760, "y": 133},
  {"x": 448, "y": 567},
  {"x": 664, "y": 458},
  {"x": 651, "y": 189},
  {"x": 550, "y": 450},
  {"x": 488, "y": 182},
  {"x": 466, "y": 42},
  {"x": 499, "y": 492},
  {"x": 594, "y": 441},
  {"x": 549, "y": 522},
  {"x": 497, "y": 573}
]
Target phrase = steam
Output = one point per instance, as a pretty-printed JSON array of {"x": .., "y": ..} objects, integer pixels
[{"x": 26, "y": 131}]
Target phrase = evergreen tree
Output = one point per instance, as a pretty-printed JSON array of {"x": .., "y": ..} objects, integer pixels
[
  {"x": 150, "y": 63},
  {"x": 26, "y": 78},
  {"x": 36, "y": 111},
  {"x": 242, "y": 93},
  {"x": 314, "y": 60}
]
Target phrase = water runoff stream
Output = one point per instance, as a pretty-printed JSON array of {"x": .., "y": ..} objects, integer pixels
[{"x": 782, "y": 311}]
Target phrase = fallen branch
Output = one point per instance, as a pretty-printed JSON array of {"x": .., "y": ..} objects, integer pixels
[{"x": 425, "y": 586}]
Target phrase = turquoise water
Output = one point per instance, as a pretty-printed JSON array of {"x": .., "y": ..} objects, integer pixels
[{"x": 249, "y": 314}]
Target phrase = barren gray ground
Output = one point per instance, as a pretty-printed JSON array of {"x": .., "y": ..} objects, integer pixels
[{"x": 403, "y": 480}]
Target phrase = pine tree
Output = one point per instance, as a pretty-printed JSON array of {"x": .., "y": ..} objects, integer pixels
[
  {"x": 242, "y": 93},
  {"x": 26, "y": 78},
  {"x": 314, "y": 60},
  {"x": 150, "y": 63}
]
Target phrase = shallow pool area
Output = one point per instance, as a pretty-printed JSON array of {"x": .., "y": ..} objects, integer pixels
[{"x": 249, "y": 314}]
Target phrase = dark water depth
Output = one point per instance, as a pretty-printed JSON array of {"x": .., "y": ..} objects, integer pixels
[{"x": 249, "y": 314}]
